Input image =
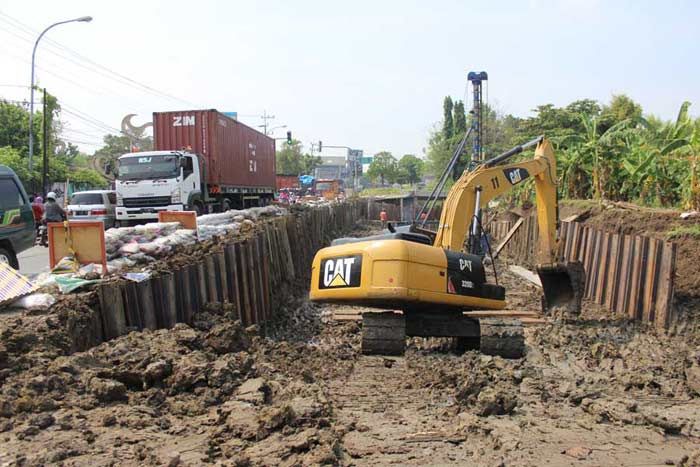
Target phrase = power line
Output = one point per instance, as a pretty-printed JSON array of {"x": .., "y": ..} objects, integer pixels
[
  {"x": 91, "y": 135},
  {"x": 89, "y": 119},
  {"x": 86, "y": 143},
  {"x": 116, "y": 75}
]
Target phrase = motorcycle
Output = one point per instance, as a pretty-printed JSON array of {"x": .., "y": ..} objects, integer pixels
[{"x": 42, "y": 235}]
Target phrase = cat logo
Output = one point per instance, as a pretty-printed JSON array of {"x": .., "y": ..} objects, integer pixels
[
  {"x": 516, "y": 175},
  {"x": 340, "y": 272},
  {"x": 465, "y": 264}
]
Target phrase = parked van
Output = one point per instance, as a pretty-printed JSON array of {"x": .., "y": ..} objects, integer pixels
[{"x": 17, "y": 231}]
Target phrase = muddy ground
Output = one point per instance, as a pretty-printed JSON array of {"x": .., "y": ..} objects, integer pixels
[
  {"x": 589, "y": 392},
  {"x": 598, "y": 390}
]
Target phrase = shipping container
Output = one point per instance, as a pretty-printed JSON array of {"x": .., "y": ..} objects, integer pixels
[
  {"x": 235, "y": 157},
  {"x": 287, "y": 181}
]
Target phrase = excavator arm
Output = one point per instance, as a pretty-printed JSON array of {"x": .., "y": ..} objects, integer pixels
[
  {"x": 475, "y": 189},
  {"x": 562, "y": 283}
]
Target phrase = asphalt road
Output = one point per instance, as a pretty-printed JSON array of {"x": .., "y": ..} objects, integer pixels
[{"x": 34, "y": 261}]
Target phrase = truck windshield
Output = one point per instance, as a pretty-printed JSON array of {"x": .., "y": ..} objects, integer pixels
[{"x": 148, "y": 167}]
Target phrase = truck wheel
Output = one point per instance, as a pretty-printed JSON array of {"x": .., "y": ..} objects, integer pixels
[
  {"x": 8, "y": 256},
  {"x": 197, "y": 208}
]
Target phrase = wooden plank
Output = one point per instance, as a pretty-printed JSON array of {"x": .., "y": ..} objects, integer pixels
[
  {"x": 132, "y": 310},
  {"x": 638, "y": 262},
  {"x": 148, "y": 313},
  {"x": 650, "y": 280},
  {"x": 614, "y": 267},
  {"x": 202, "y": 290},
  {"x": 526, "y": 274},
  {"x": 234, "y": 292},
  {"x": 262, "y": 260},
  {"x": 502, "y": 314},
  {"x": 169, "y": 300},
  {"x": 242, "y": 273},
  {"x": 253, "y": 264},
  {"x": 593, "y": 264},
  {"x": 266, "y": 277},
  {"x": 212, "y": 286},
  {"x": 625, "y": 275},
  {"x": 287, "y": 256},
  {"x": 508, "y": 237},
  {"x": 602, "y": 270},
  {"x": 112, "y": 310},
  {"x": 188, "y": 301},
  {"x": 578, "y": 238},
  {"x": 221, "y": 276},
  {"x": 179, "y": 295},
  {"x": 664, "y": 298}
]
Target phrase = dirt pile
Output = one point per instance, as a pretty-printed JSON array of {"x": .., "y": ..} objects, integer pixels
[
  {"x": 232, "y": 394},
  {"x": 29, "y": 338}
]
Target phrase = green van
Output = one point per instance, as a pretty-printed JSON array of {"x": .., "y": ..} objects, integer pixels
[{"x": 17, "y": 232}]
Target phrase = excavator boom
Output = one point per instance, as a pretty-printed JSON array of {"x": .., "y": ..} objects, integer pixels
[{"x": 562, "y": 283}]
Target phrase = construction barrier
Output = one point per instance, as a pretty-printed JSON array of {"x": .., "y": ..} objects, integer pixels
[
  {"x": 252, "y": 276},
  {"x": 628, "y": 274}
]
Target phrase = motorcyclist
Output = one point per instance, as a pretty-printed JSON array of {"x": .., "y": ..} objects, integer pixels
[{"x": 52, "y": 211}]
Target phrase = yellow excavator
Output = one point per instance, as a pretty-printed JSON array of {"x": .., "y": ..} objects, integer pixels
[{"x": 428, "y": 279}]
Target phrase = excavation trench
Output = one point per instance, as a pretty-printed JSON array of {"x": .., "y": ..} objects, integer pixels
[{"x": 295, "y": 390}]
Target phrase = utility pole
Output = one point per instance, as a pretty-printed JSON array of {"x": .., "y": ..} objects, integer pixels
[
  {"x": 265, "y": 116},
  {"x": 45, "y": 147}
]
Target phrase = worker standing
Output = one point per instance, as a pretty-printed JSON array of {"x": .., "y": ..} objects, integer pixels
[{"x": 383, "y": 217}]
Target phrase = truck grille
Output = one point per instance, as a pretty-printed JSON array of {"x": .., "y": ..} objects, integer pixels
[{"x": 151, "y": 201}]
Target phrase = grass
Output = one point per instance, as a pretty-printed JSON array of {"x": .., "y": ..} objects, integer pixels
[{"x": 692, "y": 231}]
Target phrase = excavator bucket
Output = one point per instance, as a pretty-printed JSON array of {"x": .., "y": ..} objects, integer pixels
[{"x": 563, "y": 285}]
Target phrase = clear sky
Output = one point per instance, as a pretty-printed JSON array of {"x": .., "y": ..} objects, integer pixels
[{"x": 365, "y": 74}]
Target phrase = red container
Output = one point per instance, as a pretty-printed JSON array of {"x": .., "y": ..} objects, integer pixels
[
  {"x": 235, "y": 155},
  {"x": 287, "y": 181}
]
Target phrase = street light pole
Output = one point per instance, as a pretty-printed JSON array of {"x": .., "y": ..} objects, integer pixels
[{"x": 83, "y": 19}]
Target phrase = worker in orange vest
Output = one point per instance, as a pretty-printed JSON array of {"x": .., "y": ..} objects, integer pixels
[{"x": 383, "y": 217}]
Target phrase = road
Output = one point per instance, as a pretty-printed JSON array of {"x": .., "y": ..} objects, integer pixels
[{"x": 34, "y": 261}]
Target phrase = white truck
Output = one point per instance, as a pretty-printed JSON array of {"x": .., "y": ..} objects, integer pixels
[
  {"x": 148, "y": 182},
  {"x": 204, "y": 161}
]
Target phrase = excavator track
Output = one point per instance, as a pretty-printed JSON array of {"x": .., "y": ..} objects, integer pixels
[
  {"x": 384, "y": 333},
  {"x": 502, "y": 337}
]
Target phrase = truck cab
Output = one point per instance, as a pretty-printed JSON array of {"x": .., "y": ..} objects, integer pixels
[{"x": 148, "y": 182}]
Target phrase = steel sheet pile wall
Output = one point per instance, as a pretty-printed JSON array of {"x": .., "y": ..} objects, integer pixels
[
  {"x": 250, "y": 276},
  {"x": 629, "y": 274},
  {"x": 374, "y": 207}
]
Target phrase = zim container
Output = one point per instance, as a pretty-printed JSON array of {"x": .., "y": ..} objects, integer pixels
[{"x": 233, "y": 154}]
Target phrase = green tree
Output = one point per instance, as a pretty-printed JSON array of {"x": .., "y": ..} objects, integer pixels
[
  {"x": 460, "y": 119},
  {"x": 621, "y": 108},
  {"x": 383, "y": 167},
  {"x": 410, "y": 169},
  {"x": 447, "y": 122},
  {"x": 309, "y": 162},
  {"x": 291, "y": 160}
]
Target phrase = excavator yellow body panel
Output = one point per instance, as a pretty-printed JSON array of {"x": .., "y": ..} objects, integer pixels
[{"x": 401, "y": 274}]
